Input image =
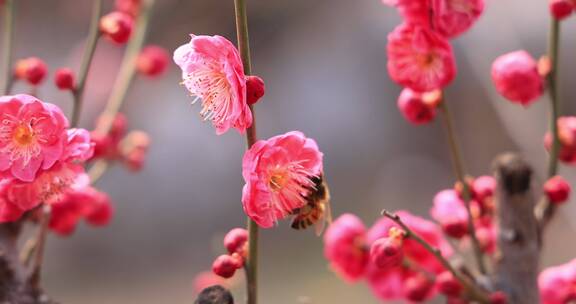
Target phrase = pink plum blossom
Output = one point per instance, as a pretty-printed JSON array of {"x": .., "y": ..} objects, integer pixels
[
  {"x": 449, "y": 210},
  {"x": 212, "y": 71},
  {"x": 516, "y": 77},
  {"x": 32, "y": 135},
  {"x": 419, "y": 58},
  {"x": 454, "y": 17},
  {"x": 345, "y": 247},
  {"x": 278, "y": 173},
  {"x": 557, "y": 284}
]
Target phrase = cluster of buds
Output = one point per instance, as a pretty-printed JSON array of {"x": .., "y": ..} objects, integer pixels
[
  {"x": 32, "y": 70},
  {"x": 115, "y": 145},
  {"x": 235, "y": 242},
  {"x": 117, "y": 26},
  {"x": 561, "y": 9}
]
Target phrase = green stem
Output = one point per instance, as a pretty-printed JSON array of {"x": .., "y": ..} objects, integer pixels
[
  {"x": 244, "y": 48},
  {"x": 545, "y": 210},
  {"x": 128, "y": 67},
  {"x": 9, "y": 8},
  {"x": 91, "y": 42},
  {"x": 459, "y": 170},
  {"x": 474, "y": 291}
]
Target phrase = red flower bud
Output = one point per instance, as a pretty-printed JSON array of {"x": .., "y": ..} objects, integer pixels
[
  {"x": 560, "y": 9},
  {"x": 64, "y": 79},
  {"x": 557, "y": 189},
  {"x": 498, "y": 297},
  {"x": 225, "y": 266},
  {"x": 255, "y": 89},
  {"x": 235, "y": 240},
  {"x": 117, "y": 26},
  {"x": 448, "y": 284},
  {"x": 32, "y": 69},
  {"x": 414, "y": 108},
  {"x": 516, "y": 77},
  {"x": 152, "y": 61},
  {"x": 387, "y": 252},
  {"x": 417, "y": 288}
]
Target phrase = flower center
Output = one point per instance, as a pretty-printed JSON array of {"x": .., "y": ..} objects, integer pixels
[
  {"x": 277, "y": 181},
  {"x": 23, "y": 135},
  {"x": 210, "y": 84},
  {"x": 425, "y": 60}
]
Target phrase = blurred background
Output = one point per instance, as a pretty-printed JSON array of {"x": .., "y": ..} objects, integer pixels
[{"x": 324, "y": 63}]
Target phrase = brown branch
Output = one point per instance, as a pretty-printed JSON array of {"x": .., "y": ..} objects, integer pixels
[
  {"x": 516, "y": 269},
  {"x": 474, "y": 291}
]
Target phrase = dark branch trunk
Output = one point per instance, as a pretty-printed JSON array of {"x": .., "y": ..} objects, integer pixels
[{"x": 517, "y": 264}]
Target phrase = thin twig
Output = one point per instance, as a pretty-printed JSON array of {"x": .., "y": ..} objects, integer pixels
[
  {"x": 458, "y": 166},
  {"x": 36, "y": 270},
  {"x": 97, "y": 170},
  {"x": 127, "y": 69},
  {"x": 89, "y": 50},
  {"x": 7, "y": 45},
  {"x": 474, "y": 291},
  {"x": 545, "y": 210},
  {"x": 244, "y": 48}
]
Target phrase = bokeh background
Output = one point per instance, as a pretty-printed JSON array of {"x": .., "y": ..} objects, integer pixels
[{"x": 324, "y": 63}]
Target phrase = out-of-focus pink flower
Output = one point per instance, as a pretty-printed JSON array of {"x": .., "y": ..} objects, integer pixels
[
  {"x": 387, "y": 284},
  {"x": 561, "y": 9},
  {"x": 557, "y": 284},
  {"x": 64, "y": 79},
  {"x": 449, "y": 210},
  {"x": 255, "y": 89},
  {"x": 483, "y": 188},
  {"x": 412, "y": 11},
  {"x": 32, "y": 135},
  {"x": 117, "y": 26},
  {"x": 31, "y": 69},
  {"x": 278, "y": 173},
  {"x": 9, "y": 210},
  {"x": 134, "y": 148},
  {"x": 567, "y": 134},
  {"x": 81, "y": 201},
  {"x": 427, "y": 230},
  {"x": 418, "y": 287},
  {"x": 131, "y": 7},
  {"x": 212, "y": 71},
  {"x": 152, "y": 61},
  {"x": 236, "y": 240},
  {"x": 557, "y": 189},
  {"x": 486, "y": 234},
  {"x": 516, "y": 77},
  {"x": 419, "y": 58},
  {"x": 79, "y": 147},
  {"x": 414, "y": 108},
  {"x": 448, "y": 284},
  {"x": 498, "y": 297},
  {"x": 345, "y": 247},
  {"x": 387, "y": 252},
  {"x": 454, "y": 17},
  {"x": 107, "y": 145}
]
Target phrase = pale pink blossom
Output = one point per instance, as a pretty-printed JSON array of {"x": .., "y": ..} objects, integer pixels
[
  {"x": 450, "y": 211},
  {"x": 516, "y": 77},
  {"x": 278, "y": 173},
  {"x": 212, "y": 71},
  {"x": 419, "y": 58},
  {"x": 454, "y": 17},
  {"x": 345, "y": 247},
  {"x": 79, "y": 147},
  {"x": 557, "y": 284},
  {"x": 32, "y": 135}
]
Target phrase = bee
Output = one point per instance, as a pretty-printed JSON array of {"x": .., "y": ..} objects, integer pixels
[{"x": 317, "y": 209}]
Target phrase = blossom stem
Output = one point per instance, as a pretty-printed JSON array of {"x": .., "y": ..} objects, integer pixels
[
  {"x": 90, "y": 48},
  {"x": 545, "y": 210},
  {"x": 127, "y": 68},
  {"x": 474, "y": 291},
  {"x": 459, "y": 170},
  {"x": 9, "y": 8},
  {"x": 244, "y": 48}
]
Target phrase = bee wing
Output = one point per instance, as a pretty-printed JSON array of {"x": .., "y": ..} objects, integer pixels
[{"x": 325, "y": 212}]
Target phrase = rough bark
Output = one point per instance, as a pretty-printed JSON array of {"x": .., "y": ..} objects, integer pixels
[
  {"x": 516, "y": 269},
  {"x": 15, "y": 285}
]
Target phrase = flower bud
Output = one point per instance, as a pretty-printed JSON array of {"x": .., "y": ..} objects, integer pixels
[
  {"x": 567, "y": 134},
  {"x": 557, "y": 189},
  {"x": 117, "y": 27},
  {"x": 414, "y": 108},
  {"x": 225, "y": 266},
  {"x": 560, "y": 9},
  {"x": 32, "y": 69},
  {"x": 255, "y": 89},
  {"x": 134, "y": 148},
  {"x": 387, "y": 252},
  {"x": 417, "y": 287},
  {"x": 516, "y": 77},
  {"x": 235, "y": 240},
  {"x": 448, "y": 284},
  {"x": 64, "y": 79},
  {"x": 498, "y": 297},
  {"x": 152, "y": 61}
]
